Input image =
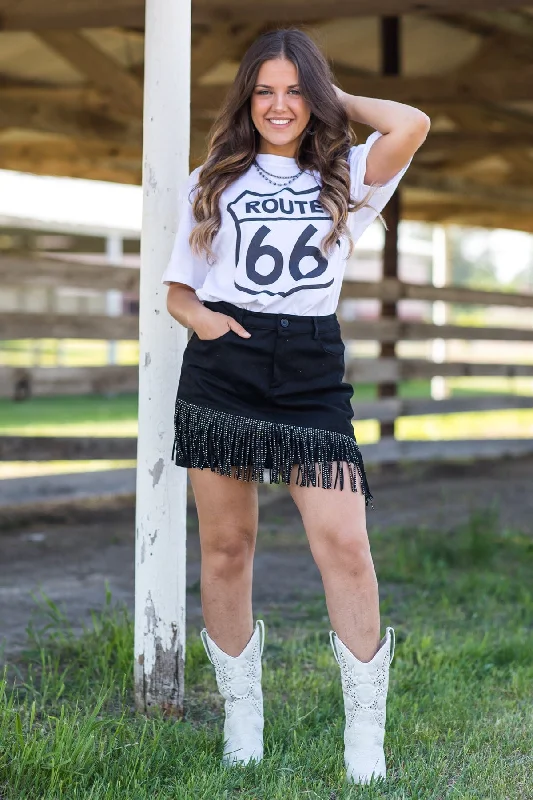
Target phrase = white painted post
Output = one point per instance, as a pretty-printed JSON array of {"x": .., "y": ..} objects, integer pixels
[
  {"x": 439, "y": 311},
  {"x": 161, "y": 486}
]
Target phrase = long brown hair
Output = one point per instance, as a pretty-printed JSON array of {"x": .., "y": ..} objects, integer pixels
[{"x": 233, "y": 142}]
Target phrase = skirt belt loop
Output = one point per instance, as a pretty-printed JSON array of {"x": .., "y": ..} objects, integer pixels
[{"x": 315, "y": 324}]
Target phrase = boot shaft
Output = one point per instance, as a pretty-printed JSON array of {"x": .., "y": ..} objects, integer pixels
[
  {"x": 239, "y": 682},
  {"x": 238, "y": 677},
  {"x": 364, "y": 688}
]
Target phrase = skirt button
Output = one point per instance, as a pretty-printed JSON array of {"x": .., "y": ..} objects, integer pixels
[{"x": 284, "y": 323}]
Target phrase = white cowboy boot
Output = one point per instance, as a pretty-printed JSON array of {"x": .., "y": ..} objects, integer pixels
[
  {"x": 239, "y": 682},
  {"x": 364, "y": 687}
]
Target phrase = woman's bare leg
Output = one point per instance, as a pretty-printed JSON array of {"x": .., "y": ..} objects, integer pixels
[
  {"x": 335, "y": 523},
  {"x": 228, "y": 517}
]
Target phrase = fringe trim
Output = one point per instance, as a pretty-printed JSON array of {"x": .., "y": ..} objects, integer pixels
[{"x": 205, "y": 437}]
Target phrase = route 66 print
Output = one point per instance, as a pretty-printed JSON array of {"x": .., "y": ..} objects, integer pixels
[{"x": 278, "y": 242}]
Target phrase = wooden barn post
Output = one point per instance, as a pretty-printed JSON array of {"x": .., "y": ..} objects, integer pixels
[
  {"x": 391, "y": 65},
  {"x": 161, "y": 486}
]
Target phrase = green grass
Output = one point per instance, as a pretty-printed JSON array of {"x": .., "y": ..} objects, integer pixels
[
  {"x": 460, "y": 719},
  {"x": 73, "y": 352},
  {"x": 90, "y": 415}
]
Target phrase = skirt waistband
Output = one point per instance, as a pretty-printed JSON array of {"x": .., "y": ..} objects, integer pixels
[{"x": 280, "y": 322}]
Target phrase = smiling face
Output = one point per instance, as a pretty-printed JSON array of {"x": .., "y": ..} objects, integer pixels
[{"x": 279, "y": 112}]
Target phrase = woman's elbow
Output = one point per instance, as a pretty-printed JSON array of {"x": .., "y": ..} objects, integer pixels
[{"x": 420, "y": 127}]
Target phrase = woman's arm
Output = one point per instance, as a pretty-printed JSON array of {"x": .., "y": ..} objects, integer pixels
[
  {"x": 404, "y": 130},
  {"x": 184, "y": 306}
]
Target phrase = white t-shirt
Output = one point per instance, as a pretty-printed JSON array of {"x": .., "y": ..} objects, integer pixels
[{"x": 267, "y": 248}]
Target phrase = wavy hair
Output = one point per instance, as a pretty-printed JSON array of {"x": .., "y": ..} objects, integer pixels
[{"x": 233, "y": 142}]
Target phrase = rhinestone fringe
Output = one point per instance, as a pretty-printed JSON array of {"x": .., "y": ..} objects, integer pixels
[{"x": 235, "y": 445}]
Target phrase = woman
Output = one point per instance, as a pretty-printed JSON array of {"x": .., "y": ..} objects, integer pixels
[{"x": 267, "y": 224}]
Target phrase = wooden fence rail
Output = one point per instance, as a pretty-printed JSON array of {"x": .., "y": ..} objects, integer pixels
[
  {"x": 20, "y": 448},
  {"x": 389, "y": 450},
  {"x": 390, "y": 290},
  {"x": 381, "y": 370},
  {"x": 23, "y": 382},
  {"x": 19, "y": 325},
  {"x": 19, "y": 382},
  {"x": 20, "y": 271},
  {"x": 47, "y": 381},
  {"x": 66, "y": 448},
  {"x": 390, "y": 408},
  {"x": 393, "y": 330}
]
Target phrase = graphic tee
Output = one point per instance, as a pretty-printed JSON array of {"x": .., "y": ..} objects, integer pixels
[{"x": 267, "y": 250}]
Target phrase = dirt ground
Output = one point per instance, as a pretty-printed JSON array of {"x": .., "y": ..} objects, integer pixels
[{"x": 71, "y": 555}]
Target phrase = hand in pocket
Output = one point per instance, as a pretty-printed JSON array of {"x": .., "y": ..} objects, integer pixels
[{"x": 214, "y": 325}]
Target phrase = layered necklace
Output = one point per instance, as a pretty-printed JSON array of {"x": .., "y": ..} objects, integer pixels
[{"x": 269, "y": 175}]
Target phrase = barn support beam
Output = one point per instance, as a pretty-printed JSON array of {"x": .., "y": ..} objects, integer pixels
[
  {"x": 56, "y": 14},
  {"x": 161, "y": 487},
  {"x": 391, "y": 65},
  {"x": 102, "y": 71}
]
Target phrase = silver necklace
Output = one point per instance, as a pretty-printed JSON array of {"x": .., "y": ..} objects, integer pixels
[{"x": 265, "y": 174}]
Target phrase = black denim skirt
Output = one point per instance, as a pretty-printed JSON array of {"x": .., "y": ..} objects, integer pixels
[{"x": 270, "y": 402}]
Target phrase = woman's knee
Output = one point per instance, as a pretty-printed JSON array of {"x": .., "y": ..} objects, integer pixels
[
  {"x": 342, "y": 548},
  {"x": 228, "y": 549}
]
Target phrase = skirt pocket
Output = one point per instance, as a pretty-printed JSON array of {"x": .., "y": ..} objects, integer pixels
[{"x": 331, "y": 342}]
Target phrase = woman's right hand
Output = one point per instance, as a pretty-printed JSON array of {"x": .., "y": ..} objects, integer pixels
[{"x": 212, "y": 325}]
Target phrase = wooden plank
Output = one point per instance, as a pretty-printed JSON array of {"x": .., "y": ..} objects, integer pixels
[
  {"x": 487, "y": 23},
  {"x": 472, "y": 146},
  {"x": 374, "y": 370},
  {"x": 28, "y": 270},
  {"x": 17, "y": 325},
  {"x": 67, "y": 112},
  {"x": 390, "y": 408},
  {"x": 392, "y": 330},
  {"x": 21, "y": 448},
  {"x": 24, "y": 271},
  {"x": 104, "y": 72},
  {"x": 30, "y": 15},
  {"x": 110, "y": 170},
  {"x": 20, "y": 383},
  {"x": 48, "y": 448},
  {"x": 507, "y": 196},
  {"x": 75, "y": 159},
  {"x": 107, "y": 508},
  {"x": 309, "y": 9},
  {"x": 393, "y": 450},
  {"x": 499, "y": 86},
  {"x": 390, "y": 52},
  {"x": 223, "y": 41},
  {"x": 390, "y": 290},
  {"x": 33, "y": 15},
  {"x": 453, "y": 212}
]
